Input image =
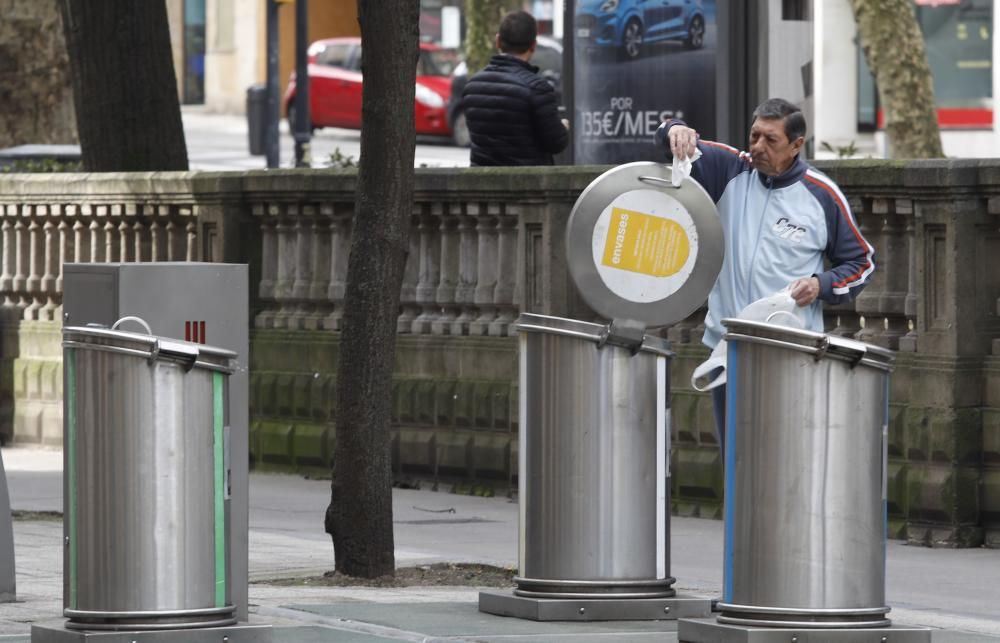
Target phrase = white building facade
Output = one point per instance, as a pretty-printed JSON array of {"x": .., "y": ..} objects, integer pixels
[{"x": 962, "y": 51}]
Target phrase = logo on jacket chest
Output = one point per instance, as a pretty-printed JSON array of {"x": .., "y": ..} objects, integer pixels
[{"x": 785, "y": 229}]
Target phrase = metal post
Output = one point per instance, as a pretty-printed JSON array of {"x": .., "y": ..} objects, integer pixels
[
  {"x": 8, "y": 589},
  {"x": 271, "y": 142},
  {"x": 303, "y": 119}
]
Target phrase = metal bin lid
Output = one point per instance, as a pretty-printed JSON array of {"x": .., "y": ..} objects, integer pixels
[
  {"x": 818, "y": 344},
  {"x": 597, "y": 333},
  {"x": 151, "y": 347},
  {"x": 640, "y": 249}
]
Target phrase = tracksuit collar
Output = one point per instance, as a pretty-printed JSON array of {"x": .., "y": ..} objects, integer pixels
[{"x": 786, "y": 178}]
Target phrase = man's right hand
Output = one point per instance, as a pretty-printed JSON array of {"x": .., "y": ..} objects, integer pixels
[{"x": 683, "y": 141}]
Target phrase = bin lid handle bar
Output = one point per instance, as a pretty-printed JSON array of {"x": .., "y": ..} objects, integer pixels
[
  {"x": 185, "y": 353},
  {"x": 132, "y": 318},
  {"x": 626, "y": 333},
  {"x": 853, "y": 349},
  {"x": 659, "y": 182}
]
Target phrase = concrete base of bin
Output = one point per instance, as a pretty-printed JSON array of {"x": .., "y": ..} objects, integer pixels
[
  {"x": 708, "y": 630},
  {"x": 57, "y": 633},
  {"x": 593, "y": 609}
]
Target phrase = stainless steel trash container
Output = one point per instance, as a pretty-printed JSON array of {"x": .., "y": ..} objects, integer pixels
[
  {"x": 805, "y": 495},
  {"x": 146, "y": 485},
  {"x": 593, "y": 463}
]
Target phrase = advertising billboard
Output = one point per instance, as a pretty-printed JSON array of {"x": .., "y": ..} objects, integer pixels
[{"x": 636, "y": 63}]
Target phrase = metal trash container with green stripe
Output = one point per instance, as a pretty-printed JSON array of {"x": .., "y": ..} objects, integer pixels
[{"x": 146, "y": 504}]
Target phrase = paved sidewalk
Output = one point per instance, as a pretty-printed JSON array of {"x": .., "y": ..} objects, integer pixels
[{"x": 955, "y": 590}]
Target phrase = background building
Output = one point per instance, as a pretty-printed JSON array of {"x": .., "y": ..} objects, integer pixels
[
  {"x": 804, "y": 49},
  {"x": 961, "y": 50}
]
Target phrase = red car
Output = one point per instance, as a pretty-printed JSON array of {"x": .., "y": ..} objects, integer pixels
[{"x": 335, "y": 86}]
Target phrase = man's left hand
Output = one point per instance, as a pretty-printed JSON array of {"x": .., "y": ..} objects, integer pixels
[{"x": 804, "y": 291}]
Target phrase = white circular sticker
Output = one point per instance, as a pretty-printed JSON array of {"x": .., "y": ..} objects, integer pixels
[{"x": 645, "y": 245}]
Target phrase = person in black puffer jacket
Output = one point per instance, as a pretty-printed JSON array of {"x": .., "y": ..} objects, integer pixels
[{"x": 511, "y": 111}]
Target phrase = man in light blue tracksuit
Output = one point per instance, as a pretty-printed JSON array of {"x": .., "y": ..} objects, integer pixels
[{"x": 780, "y": 217}]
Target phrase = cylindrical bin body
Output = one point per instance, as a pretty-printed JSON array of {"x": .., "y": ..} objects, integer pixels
[
  {"x": 593, "y": 468},
  {"x": 805, "y": 516},
  {"x": 146, "y": 484}
]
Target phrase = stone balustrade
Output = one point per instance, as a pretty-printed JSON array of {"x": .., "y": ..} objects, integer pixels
[
  {"x": 49, "y": 220},
  {"x": 485, "y": 245}
]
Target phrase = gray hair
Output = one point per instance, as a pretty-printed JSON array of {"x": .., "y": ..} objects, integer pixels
[{"x": 795, "y": 121}]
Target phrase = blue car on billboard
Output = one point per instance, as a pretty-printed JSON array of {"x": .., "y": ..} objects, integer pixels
[{"x": 628, "y": 25}]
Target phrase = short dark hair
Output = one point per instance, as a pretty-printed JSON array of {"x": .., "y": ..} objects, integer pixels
[
  {"x": 518, "y": 31},
  {"x": 795, "y": 121}
]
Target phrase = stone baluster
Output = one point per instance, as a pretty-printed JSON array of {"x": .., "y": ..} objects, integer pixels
[
  {"x": 302, "y": 282},
  {"x": 486, "y": 282},
  {"x": 124, "y": 245},
  {"x": 50, "y": 271},
  {"x": 870, "y": 214},
  {"x": 21, "y": 262},
  {"x": 138, "y": 233},
  {"x": 268, "y": 268},
  {"x": 908, "y": 342},
  {"x": 171, "y": 230},
  {"x": 9, "y": 259},
  {"x": 286, "y": 272},
  {"x": 110, "y": 245},
  {"x": 842, "y": 320},
  {"x": 506, "y": 269},
  {"x": 96, "y": 241},
  {"x": 191, "y": 236},
  {"x": 157, "y": 237},
  {"x": 64, "y": 253},
  {"x": 409, "y": 308},
  {"x": 895, "y": 262},
  {"x": 79, "y": 241},
  {"x": 445, "y": 293},
  {"x": 429, "y": 274},
  {"x": 36, "y": 257},
  {"x": 680, "y": 333},
  {"x": 340, "y": 251},
  {"x": 132, "y": 248},
  {"x": 319, "y": 305},
  {"x": 465, "y": 291}
]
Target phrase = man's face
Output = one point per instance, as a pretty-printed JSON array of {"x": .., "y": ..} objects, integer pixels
[{"x": 770, "y": 150}]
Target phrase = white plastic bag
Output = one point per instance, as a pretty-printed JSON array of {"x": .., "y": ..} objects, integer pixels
[
  {"x": 778, "y": 308},
  {"x": 682, "y": 168}
]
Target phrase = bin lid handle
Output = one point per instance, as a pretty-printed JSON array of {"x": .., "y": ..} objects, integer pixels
[
  {"x": 186, "y": 353},
  {"x": 851, "y": 348},
  {"x": 132, "y": 318},
  {"x": 626, "y": 333}
]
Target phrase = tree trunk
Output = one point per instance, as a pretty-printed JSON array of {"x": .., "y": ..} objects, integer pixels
[
  {"x": 359, "y": 517},
  {"x": 894, "y": 48},
  {"x": 127, "y": 109},
  {"x": 482, "y": 21},
  {"x": 35, "y": 88}
]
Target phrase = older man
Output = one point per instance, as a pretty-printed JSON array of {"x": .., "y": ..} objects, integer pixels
[{"x": 782, "y": 219}]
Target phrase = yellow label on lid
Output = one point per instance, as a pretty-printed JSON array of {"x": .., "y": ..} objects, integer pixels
[{"x": 645, "y": 243}]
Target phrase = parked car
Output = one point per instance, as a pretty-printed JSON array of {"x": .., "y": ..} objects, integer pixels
[
  {"x": 335, "y": 86},
  {"x": 548, "y": 58},
  {"x": 628, "y": 25}
]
